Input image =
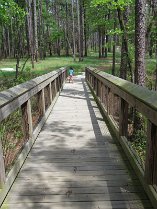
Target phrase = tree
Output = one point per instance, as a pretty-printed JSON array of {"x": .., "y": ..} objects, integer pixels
[
  {"x": 30, "y": 29},
  {"x": 140, "y": 32},
  {"x": 73, "y": 21}
]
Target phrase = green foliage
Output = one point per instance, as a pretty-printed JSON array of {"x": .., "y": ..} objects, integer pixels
[
  {"x": 9, "y": 10},
  {"x": 52, "y": 63},
  {"x": 139, "y": 144},
  {"x": 11, "y": 136},
  {"x": 112, "y": 4}
]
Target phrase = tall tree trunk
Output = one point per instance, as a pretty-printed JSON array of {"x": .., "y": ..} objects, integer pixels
[
  {"x": 30, "y": 29},
  {"x": 80, "y": 28},
  {"x": 125, "y": 50},
  {"x": 99, "y": 40},
  {"x": 103, "y": 43},
  {"x": 66, "y": 30},
  {"x": 40, "y": 30},
  {"x": 155, "y": 14},
  {"x": 140, "y": 32},
  {"x": 114, "y": 47},
  {"x": 156, "y": 68},
  {"x": 106, "y": 46},
  {"x": 140, "y": 42},
  {"x": 74, "y": 42},
  {"x": 85, "y": 30},
  {"x": 35, "y": 30},
  {"x": 81, "y": 31}
]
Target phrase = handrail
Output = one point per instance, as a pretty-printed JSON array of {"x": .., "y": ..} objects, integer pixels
[
  {"x": 19, "y": 97},
  {"x": 105, "y": 87}
]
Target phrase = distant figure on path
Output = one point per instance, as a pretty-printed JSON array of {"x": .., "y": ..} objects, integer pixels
[{"x": 71, "y": 74}]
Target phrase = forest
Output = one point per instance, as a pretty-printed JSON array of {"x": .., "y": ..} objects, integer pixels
[{"x": 123, "y": 31}]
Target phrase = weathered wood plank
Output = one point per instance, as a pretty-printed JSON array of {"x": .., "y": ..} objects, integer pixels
[
  {"x": 27, "y": 120},
  {"x": 13, "y": 98},
  {"x": 85, "y": 205},
  {"x": 75, "y": 163},
  {"x": 2, "y": 168},
  {"x": 123, "y": 120},
  {"x": 137, "y": 97}
]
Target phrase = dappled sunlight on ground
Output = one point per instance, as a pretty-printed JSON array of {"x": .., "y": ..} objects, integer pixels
[{"x": 75, "y": 163}]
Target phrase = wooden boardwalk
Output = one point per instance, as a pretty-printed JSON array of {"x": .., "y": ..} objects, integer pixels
[{"x": 75, "y": 163}]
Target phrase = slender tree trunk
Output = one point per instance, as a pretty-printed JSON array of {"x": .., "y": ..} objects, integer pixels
[
  {"x": 156, "y": 68},
  {"x": 74, "y": 42},
  {"x": 85, "y": 30},
  {"x": 140, "y": 32},
  {"x": 103, "y": 43},
  {"x": 80, "y": 29},
  {"x": 66, "y": 30},
  {"x": 35, "y": 31},
  {"x": 140, "y": 42},
  {"x": 100, "y": 44},
  {"x": 114, "y": 48},
  {"x": 40, "y": 32},
  {"x": 125, "y": 51},
  {"x": 106, "y": 47},
  {"x": 30, "y": 29}
]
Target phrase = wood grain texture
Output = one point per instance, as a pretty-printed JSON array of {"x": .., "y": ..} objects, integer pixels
[
  {"x": 75, "y": 162},
  {"x": 14, "y": 97},
  {"x": 116, "y": 86},
  {"x": 144, "y": 100}
]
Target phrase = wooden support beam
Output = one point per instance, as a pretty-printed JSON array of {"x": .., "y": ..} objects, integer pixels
[
  {"x": 151, "y": 154},
  {"x": 56, "y": 85},
  {"x": 50, "y": 92},
  {"x": 2, "y": 168},
  {"x": 110, "y": 103},
  {"x": 108, "y": 100},
  {"x": 123, "y": 118},
  {"x": 41, "y": 102},
  {"x": 27, "y": 120}
]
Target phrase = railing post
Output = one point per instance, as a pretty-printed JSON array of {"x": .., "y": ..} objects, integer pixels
[
  {"x": 101, "y": 92},
  {"x": 63, "y": 77},
  {"x": 41, "y": 100},
  {"x": 123, "y": 118},
  {"x": 50, "y": 92},
  {"x": 60, "y": 82},
  {"x": 90, "y": 79},
  {"x": 110, "y": 102},
  {"x": 98, "y": 88},
  {"x": 2, "y": 168},
  {"x": 55, "y": 86},
  {"x": 93, "y": 81},
  {"x": 27, "y": 120},
  {"x": 151, "y": 154}
]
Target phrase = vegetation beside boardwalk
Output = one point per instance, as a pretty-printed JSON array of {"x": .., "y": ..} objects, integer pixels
[{"x": 44, "y": 66}]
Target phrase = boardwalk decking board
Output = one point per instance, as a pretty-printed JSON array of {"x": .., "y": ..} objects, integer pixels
[{"x": 75, "y": 163}]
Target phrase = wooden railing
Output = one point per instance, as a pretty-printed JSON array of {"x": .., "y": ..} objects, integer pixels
[
  {"x": 44, "y": 90},
  {"x": 115, "y": 97}
]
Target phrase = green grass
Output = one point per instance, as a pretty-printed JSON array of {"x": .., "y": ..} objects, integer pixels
[
  {"x": 150, "y": 66},
  {"x": 52, "y": 63},
  {"x": 7, "y": 79}
]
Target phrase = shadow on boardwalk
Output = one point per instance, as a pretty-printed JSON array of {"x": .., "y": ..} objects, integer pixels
[{"x": 75, "y": 163}]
